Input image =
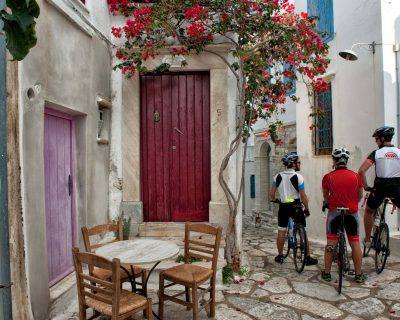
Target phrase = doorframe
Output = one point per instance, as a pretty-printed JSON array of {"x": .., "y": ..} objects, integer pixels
[{"x": 52, "y": 112}]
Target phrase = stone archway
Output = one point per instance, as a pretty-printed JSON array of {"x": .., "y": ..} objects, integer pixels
[{"x": 262, "y": 163}]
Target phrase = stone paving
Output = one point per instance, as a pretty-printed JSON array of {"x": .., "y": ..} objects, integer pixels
[{"x": 273, "y": 291}]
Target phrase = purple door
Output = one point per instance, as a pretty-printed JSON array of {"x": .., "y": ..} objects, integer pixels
[{"x": 58, "y": 147}]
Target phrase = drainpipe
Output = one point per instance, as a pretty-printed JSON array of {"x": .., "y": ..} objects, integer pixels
[
  {"x": 396, "y": 49},
  {"x": 5, "y": 276}
]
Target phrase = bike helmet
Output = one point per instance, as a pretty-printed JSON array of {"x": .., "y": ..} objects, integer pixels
[
  {"x": 384, "y": 132},
  {"x": 290, "y": 158},
  {"x": 341, "y": 155}
]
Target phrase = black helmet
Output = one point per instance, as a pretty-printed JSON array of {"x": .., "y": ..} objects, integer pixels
[
  {"x": 341, "y": 155},
  {"x": 290, "y": 158},
  {"x": 384, "y": 132}
]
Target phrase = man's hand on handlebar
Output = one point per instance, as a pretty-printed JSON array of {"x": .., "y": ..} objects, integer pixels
[
  {"x": 368, "y": 189},
  {"x": 306, "y": 212},
  {"x": 275, "y": 201}
]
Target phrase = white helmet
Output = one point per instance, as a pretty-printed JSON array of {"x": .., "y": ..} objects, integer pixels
[{"x": 341, "y": 155}]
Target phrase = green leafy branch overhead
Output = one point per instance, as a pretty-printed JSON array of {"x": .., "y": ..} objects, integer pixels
[{"x": 19, "y": 26}]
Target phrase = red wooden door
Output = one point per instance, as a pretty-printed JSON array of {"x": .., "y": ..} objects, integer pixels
[
  {"x": 175, "y": 146},
  {"x": 58, "y": 193}
]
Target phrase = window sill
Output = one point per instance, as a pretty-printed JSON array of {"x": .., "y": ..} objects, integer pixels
[{"x": 75, "y": 11}]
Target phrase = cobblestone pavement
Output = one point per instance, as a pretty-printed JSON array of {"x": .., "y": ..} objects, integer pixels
[{"x": 273, "y": 291}]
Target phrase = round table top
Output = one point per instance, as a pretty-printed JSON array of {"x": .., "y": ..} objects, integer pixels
[{"x": 139, "y": 251}]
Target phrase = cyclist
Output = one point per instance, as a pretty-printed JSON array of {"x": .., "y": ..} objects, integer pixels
[
  {"x": 290, "y": 186},
  {"x": 342, "y": 188},
  {"x": 387, "y": 181}
]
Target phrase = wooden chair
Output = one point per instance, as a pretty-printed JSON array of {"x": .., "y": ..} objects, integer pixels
[
  {"x": 192, "y": 276},
  {"x": 90, "y": 247},
  {"x": 106, "y": 296}
]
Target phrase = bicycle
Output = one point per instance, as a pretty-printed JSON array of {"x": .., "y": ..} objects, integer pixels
[
  {"x": 380, "y": 235},
  {"x": 296, "y": 239},
  {"x": 340, "y": 251}
]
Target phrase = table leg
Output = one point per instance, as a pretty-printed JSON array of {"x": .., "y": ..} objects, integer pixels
[
  {"x": 144, "y": 286},
  {"x": 131, "y": 277}
]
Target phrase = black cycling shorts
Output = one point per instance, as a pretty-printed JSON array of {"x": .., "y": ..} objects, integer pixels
[
  {"x": 292, "y": 210},
  {"x": 351, "y": 226},
  {"x": 384, "y": 188}
]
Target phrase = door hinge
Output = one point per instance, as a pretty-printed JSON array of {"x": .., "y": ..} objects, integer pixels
[
  {"x": 69, "y": 185},
  {"x": 4, "y": 286}
]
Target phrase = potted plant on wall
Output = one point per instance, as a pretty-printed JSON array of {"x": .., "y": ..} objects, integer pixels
[{"x": 126, "y": 226}]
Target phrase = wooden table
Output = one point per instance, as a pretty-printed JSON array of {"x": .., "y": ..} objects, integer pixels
[{"x": 139, "y": 252}]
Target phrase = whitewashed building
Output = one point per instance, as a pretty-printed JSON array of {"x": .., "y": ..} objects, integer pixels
[{"x": 363, "y": 94}]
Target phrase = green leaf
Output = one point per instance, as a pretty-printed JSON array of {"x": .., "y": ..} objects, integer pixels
[
  {"x": 19, "y": 26},
  {"x": 18, "y": 41}
]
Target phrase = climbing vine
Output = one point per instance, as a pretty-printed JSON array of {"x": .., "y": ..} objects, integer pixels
[{"x": 270, "y": 47}]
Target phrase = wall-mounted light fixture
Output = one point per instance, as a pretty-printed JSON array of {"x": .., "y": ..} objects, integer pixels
[{"x": 351, "y": 55}]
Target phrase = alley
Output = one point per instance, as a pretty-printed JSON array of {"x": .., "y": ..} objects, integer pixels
[{"x": 278, "y": 292}]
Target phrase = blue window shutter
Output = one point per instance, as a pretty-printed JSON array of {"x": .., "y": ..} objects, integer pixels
[
  {"x": 252, "y": 186},
  {"x": 286, "y": 80},
  {"x": 323, "y": 9}
]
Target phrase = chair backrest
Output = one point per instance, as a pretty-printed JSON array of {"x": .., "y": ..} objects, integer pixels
[
  {"x": 98, "y": 230},
  {"x": 205, "y": 245},
  {"x": 90, "y": 286}
]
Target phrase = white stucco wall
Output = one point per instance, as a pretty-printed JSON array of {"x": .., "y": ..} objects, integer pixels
[
  {"x": 390, "y": 12},
  {"x": 357, "y": 90},
  {"x": 68, "y": 68}
]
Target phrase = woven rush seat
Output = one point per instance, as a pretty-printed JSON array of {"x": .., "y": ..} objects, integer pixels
[
  {"x": 115, "y": 228},
  {"x": 188, "y": 273},
  {"x": 106, "y": 274},
  {"x": 128, "y": 302},
  {"x": 193, "y": 277},
  {"x": 105, "y": 296}
]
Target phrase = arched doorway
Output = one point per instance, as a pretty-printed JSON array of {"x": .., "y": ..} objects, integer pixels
[{"x": 262, "y": 161}]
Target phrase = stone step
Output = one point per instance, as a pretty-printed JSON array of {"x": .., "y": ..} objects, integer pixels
[{"x": 162, "y": 229}]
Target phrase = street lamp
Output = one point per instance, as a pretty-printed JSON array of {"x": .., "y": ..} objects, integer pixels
[{"x": 351, "y": 55}]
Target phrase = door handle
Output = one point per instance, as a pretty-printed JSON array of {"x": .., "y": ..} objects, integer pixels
[
  {"x": 69, "y": 185},
  {"x": 177, "y": 130}
]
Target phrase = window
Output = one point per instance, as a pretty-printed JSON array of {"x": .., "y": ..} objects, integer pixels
[
  {"x": 323, "y": 10},
  {"x": 252, "y": 186},
  {"x": 286, "y": 80},
  {"x": 323, "y": 138}
]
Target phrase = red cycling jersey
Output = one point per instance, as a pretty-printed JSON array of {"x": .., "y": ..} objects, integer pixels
[{"x": 343, "y": 186}]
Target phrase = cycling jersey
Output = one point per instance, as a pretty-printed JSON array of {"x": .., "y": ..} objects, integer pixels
[
  {"x": 289, "y": 183},
  {"x": 343, "y": 186},
  {"x": 387, "y": 162}
]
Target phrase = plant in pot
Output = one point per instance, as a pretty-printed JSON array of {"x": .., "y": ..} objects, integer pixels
[{"x": 126, "y": 226}]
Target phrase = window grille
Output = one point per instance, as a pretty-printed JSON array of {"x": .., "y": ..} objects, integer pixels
[{"x": 323, "y": 137}]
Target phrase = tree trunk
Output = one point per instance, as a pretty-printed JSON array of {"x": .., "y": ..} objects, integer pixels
[{"x": 20, "y": 301}]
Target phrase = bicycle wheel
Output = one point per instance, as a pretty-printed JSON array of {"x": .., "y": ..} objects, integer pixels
[
  {"x": 299, "y": 248},
  {"x": 382, "y": 250},
  {"x": 341, "y": 260}
]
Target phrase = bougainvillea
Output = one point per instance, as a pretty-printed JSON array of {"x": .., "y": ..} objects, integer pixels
[{"x": 271, "y": 46}]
